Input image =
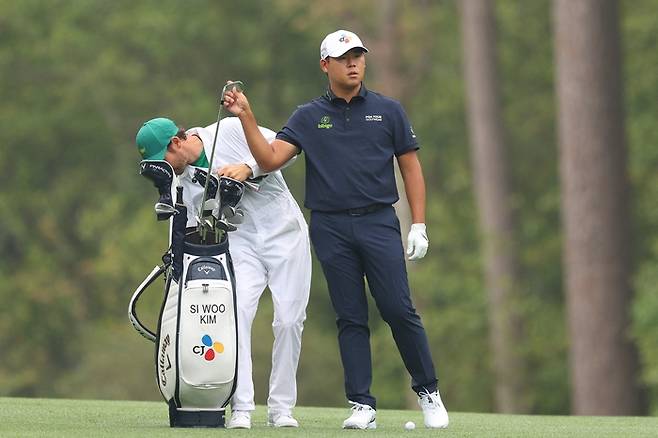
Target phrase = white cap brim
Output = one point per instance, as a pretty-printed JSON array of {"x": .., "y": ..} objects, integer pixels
[{"x": 342, "y": 51}]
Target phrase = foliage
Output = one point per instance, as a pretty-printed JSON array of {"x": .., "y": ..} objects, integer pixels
[{"x": 641, "y": 30}]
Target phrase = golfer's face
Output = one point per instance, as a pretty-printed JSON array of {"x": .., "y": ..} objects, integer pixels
[{"x": 347, "y": 69}]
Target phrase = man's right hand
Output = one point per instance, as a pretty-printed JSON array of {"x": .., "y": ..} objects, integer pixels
[{"x": 236, "y": 102}]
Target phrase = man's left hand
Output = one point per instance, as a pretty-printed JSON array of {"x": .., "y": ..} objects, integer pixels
[
  {"x": 239, "y": 171},
  {"x": 417, "y": 242}
]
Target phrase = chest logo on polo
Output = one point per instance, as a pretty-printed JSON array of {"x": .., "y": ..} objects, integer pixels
[
  {"x": 325, "y": 123},
  {"x": 374, "y": 118}
]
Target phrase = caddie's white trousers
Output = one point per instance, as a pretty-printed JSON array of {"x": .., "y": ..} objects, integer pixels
[{"x": 271, "y": 248}]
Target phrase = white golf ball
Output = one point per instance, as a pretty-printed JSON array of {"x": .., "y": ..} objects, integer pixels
[{"x": 409, "y": 425}]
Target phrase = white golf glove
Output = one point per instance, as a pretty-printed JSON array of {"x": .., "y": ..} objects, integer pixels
[{"x": 417, "y": 242}]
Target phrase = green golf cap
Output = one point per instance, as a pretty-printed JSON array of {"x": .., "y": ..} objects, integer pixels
[{"x": 154, "y": 136}]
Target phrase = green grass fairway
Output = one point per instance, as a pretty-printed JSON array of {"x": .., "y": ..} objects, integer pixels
[{"x": 21, "y": 417}]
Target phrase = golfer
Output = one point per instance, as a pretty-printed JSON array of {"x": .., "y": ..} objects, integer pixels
[
  {"x": 350, "y": 136},
  {"x": 270, "y": 248}
]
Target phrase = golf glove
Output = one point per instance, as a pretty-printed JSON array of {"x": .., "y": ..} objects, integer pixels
[{"x": 417, "y": 242}]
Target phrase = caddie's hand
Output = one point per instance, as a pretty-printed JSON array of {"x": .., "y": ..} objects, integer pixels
[
  {"x": 417, "y": 242},
  {"x": 236, "y": 171},
  {"x": 235, "y": 101}
]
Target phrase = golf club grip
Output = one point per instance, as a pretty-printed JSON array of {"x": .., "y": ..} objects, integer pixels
[{"x": 132, "y": 314}]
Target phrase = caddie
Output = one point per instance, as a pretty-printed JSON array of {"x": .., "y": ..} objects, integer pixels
[
  {"x": 270, "y": 248},
  {"x": 350, "y": 137}
]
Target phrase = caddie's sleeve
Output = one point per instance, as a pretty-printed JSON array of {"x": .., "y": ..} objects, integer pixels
[
  {"x": 292, "y": 130},
  {"x": 404, "y": 135},
  {"x": 233, "y": 131},
  {"x": 250, "y": 160}
]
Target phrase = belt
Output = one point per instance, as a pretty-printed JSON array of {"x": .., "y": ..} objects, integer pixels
[{"x": 362, "y": 211}]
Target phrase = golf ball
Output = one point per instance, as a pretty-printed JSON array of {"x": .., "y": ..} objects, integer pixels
[{"x": 409, "y": 425}]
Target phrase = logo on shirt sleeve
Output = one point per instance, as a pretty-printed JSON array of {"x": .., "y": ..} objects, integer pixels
[
  {"x": 413, "y": 134},
  {"x": 325, "y": 123}
]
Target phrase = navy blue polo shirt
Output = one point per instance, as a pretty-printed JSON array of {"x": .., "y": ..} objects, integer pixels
[{"x": 349, "y": 148}]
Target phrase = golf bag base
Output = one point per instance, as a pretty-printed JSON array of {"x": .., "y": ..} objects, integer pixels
[
  {"x": 196, "y": 343},
  {"x": 196, "y": 339},
  {"x": 180, "y": 418}
]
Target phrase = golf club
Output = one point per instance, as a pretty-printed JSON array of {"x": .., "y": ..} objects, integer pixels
[{"x": 238, "y": 86}]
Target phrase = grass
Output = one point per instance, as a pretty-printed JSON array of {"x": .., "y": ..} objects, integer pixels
[{"x": 23, "y": 417}]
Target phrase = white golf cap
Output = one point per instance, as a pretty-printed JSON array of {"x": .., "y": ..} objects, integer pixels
[{"x": 337, "y": 43}]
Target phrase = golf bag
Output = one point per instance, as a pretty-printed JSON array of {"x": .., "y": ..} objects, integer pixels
[{"x": 196, "y": 337}]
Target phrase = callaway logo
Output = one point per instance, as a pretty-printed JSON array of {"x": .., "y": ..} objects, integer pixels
[
  {"x": 208, "y": 349},
  {"x": 165, "y": 363},
  {"x": 325, "y": 123},
  {"x": 413, "y": 134},
  {"x": 374, "y": 118},
  {"x": 206, "y": 269}
]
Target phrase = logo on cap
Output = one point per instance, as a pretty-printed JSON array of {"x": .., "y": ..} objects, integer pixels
[{"x": 344, "y": 38}]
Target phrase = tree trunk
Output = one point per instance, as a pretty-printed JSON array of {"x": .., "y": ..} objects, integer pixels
[
  {"x": 492, "y": 186},
  {"x": 390, "y": 83},
  {"x": 595, "y": 208}
]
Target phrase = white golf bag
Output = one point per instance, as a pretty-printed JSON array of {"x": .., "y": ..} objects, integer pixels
[{"x": 196, "y": 338}]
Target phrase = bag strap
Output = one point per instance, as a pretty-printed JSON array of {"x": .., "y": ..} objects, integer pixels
[{"x": 132, "y": 314}]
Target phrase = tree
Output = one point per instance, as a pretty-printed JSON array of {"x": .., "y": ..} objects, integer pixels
[
  {"x": 595, "y": 208},
  {"x": 493, "y": 194}
]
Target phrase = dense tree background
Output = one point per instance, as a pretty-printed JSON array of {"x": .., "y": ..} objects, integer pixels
[{"x": 78, "y": 232}]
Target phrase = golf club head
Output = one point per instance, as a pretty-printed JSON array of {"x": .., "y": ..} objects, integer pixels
[
  {"x": 200, "y": 176},
  {"x": 225, "y": 226},
  {"x": 208, "y": 224},
  {"x": 161, "y": 174},
  {"x": 210, "y": 206},
  {"x": 238, "y": 85},
  {"x": 238, "y": 217},
  {"x": 230, "y": 192},
  {"x": 228, "y": 212},
  {"x": 162, "y": 208}
]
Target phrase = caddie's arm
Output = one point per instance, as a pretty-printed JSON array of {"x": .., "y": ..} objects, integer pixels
[
  {"x": 269, "y": 156},
  {"x": 414, "y": 187}
]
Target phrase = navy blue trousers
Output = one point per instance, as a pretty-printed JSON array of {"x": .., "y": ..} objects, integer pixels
[{"x": 350, "y": 248}]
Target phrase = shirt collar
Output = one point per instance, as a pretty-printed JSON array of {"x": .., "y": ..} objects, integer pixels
[
  {"x": 330, "y": 96},
  {"x": 206, "y": 138}
]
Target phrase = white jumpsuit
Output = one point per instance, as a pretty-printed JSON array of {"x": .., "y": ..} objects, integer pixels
[{"x": 270, "y": 248}]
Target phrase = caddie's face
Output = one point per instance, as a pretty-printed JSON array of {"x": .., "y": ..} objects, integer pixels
[
  {"x": 176, "y": 155},
  {"x": 347, "y": 70}
]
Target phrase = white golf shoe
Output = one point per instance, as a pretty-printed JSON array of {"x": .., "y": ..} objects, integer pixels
[
  {"x": 363, "y": 417},
  {"x": 281, "y": 420},
  {"x": 239, "y": 420},
  {"x": 434, "y": 412}
]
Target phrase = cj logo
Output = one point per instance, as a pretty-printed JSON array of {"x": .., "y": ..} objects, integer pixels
[
  {"x": 208, "y": 349},
  {"x": 344, "y": 38}
]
